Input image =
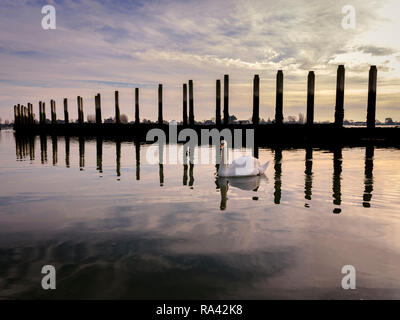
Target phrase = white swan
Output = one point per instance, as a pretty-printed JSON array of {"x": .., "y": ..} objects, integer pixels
[{"x": 243, "y": 166}]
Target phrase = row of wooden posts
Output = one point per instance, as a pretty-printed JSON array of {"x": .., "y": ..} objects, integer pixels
[{"x": 24, "y": 115}]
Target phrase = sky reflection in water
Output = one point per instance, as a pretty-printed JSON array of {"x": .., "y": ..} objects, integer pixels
[{"x": 117, "y": 227}]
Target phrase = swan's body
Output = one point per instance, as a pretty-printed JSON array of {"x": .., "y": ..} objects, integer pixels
[{"x": 243, "y": 166}]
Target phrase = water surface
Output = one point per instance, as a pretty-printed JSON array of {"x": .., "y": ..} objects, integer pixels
[{"x": 115, "y": 226}]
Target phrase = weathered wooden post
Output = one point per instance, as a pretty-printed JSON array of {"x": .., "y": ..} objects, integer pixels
[
  {"x": 22, "y": 115},
  {"x": 18, "y": 114},
  {"x": 29, "y": 114},
  {"x": 66, "y": 116},
  {"x": 15, "y": 115},
  {"x": 53, "y": 112},
  {"x": 32, "y": 118},
  {"x": 256, "y": 100},
  {"x": 40, "y": 113},
  {"x": 160, "y": 103},
  {"x": 339, "y": 109},
  {"x": 82, "y": 114},
  {"x": 117, "y": 112},
  {"x": 218, "y": 103},
  {"x": 371, "y": 110},
  {"x": 78, "y": 101},
  {"x": 279, "y": 98},
  {"x": 98, "y": 108},
  {"x": 137, "y": 118},
  {"x": 44, "y": 112},
  {"x": 184, "y": 111},
  {"x": 226, "y": 99},
  {"x": 310, "y": 98},
  {"x": 191, "y": 104}
]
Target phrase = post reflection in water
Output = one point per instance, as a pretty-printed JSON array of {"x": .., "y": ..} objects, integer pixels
[
  {"x": 81, "y": 153},
  {"x": 308, "y": 175},
  {"x": 337, "y": 177},
  {"x": 278, "y": 175},
  {"x": 32, "y": 148},
  {"x": 43, "y": 149},
  {"x": 161, "y": 163},
  {"x": 368, "y": 176},
  {"x": 67, "y": 151},
  {"x": 54, "y": 144},
  {"x": 185, "y": 168},
  {"x": 99, "y": 154},
  {"x": 25, "y": 147},
  {"x": 137, "y": 151},
  {"x": 118, "y": 157}
]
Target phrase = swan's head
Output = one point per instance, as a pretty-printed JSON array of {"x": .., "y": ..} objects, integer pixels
[{"x": 222, "y": 144}]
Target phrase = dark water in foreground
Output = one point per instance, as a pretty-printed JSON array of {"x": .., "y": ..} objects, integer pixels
[{"x": 115, "y": 226}]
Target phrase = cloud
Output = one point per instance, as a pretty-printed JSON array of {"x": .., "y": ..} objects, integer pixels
[
  {"x": 377, "y": 51},
  {"x": 142, "y": 43}
]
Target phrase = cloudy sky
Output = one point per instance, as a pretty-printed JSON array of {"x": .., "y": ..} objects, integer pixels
[{"x": 101, "y": 46}]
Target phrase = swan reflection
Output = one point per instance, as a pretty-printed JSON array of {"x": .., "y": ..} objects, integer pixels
[{"x": 250, "y": 183}]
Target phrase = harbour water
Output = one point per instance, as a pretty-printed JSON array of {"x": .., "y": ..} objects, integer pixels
[{"x": 117, "y": 227}]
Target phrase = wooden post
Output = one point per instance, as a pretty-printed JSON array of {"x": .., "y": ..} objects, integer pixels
[
  {"x": 18, "y": 114},
  {"x": 218, "y": 103},
  {"x": 66, "y": 116},
  {"x": 22, "y": 116},
  {"x": 82, "y": 115},
  {"x": 226, "y": 99},
  {"x": 279, "y": 98},
  {"x": 98, "y": 108},
  {"x": 191, "y": 104},
  {"x": 32, "y": 119},
  {"x": 137, "y": 118},
  {"x": 15, "y": 115},
  {"x": 28, "y": 119},
  {"x": 371, "y": 110},
  {"x": 53, "y": 112},
  {"x": 339, "y": 109},
  {"x": 40, "y": 112},
  {"x": 117, "y": 113},
  {"x": 256, "y": 100},
  {"x": 29, "y": 114},
  {"x": 184, "y": 111},
  {"x": 160, "y": 105},
  {"x": 310, "y": 98},
  {"x": 44, "y": 112}
]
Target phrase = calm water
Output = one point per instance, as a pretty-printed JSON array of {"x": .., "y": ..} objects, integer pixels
[{"x": 117, "y": 227}]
